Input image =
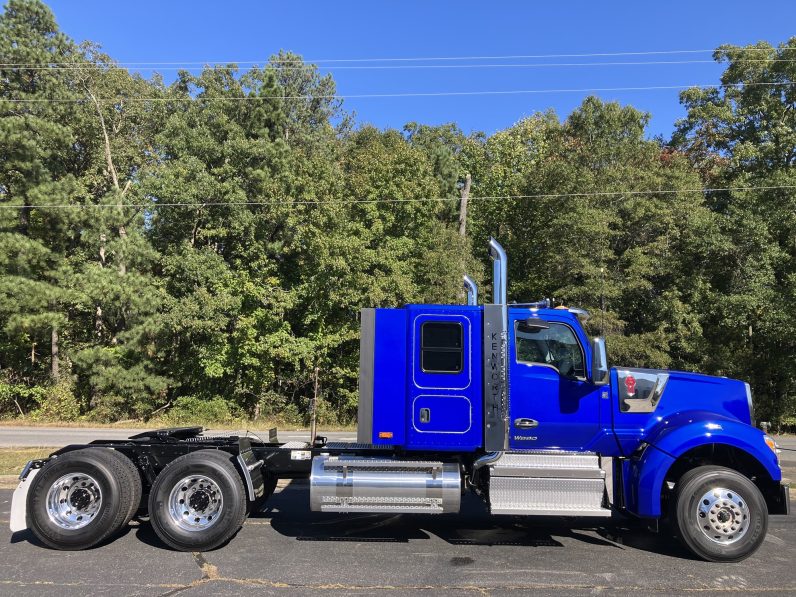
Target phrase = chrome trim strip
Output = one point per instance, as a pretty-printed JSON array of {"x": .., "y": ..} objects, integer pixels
[
  {"x": 367, "y": 354},
  {"x": 595, "y": 513},
  {"x": 247, "y": 477},
  {"x": 751, "y": 403}
]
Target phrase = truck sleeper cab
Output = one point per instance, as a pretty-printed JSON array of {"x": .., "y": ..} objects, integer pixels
[{"x": 513, "y": 402}]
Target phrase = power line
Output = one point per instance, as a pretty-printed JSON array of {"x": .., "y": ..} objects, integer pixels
[
  {"x": 310, "y": 66},
  {"x": 395, "y": 95},
  {"x": 415, "y": 59},
  {"x": 287, "y": 202}
]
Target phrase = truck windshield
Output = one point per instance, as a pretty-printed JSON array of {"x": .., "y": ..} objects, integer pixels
[{"x": 556, "y": 346}]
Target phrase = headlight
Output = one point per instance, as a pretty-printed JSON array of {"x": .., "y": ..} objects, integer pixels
[{"x": 771, "y": 444}]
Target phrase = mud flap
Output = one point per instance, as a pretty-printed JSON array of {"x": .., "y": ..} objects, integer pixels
[
  {"x": 252, "y": 470},
  {"x": 19, "y": 501}
]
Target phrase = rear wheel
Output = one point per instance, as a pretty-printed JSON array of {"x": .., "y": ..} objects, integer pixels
[
  {"x": 132, "y": 495},
  {"x": 719, "y": 514},
  {"x": 82, "y": 497},
  {"x": 198, "y": 501}
]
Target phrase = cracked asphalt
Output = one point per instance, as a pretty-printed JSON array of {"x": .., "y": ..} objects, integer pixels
[{"x": 287, "y": 550}]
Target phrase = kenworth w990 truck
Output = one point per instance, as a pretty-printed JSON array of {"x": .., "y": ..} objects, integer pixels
[{"x": 513, "y": 402}]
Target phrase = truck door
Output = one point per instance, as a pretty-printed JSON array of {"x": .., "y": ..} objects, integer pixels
[
  {"x": 552, "y": 403},
  {"x": 444, "y": 398}
]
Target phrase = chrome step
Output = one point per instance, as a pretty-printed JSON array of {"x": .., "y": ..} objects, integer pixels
[
  {"x": 549, "y": 460},
  {"x": 548, "y": 483},
  {"x": 295, "y": 445}
]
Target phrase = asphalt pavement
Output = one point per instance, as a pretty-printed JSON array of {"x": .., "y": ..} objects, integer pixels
[{"x": 287, "y": 550}]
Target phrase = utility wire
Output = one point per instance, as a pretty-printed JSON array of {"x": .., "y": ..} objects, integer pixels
[
  {"x": 395, "y": 95},
  {"x": 311, "y": 66},
  {"x": 287, "y": 202},
  {"x": 418, "y": 59}
]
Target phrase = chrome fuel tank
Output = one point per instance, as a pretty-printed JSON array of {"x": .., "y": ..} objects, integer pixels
[{"x": 354, "y": 484}]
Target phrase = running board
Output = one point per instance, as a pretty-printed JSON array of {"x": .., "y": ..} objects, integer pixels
[{"x": 548, "y": 484}]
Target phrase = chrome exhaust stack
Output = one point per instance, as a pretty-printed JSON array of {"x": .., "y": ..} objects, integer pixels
[
  {"x": 499, "y": 272},
  {"x": 471, "y": 288},
  {"x": 496, "y": 374}
]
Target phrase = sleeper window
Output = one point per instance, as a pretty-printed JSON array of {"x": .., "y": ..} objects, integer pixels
[{"x": 441, "y": 347}]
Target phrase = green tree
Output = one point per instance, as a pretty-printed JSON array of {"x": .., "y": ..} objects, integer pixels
[
  {"x": 35, "y": 143},
  {"x": 75, "y": 280},
  {"x": 215, "y": 238},
  {"x": 743, "y": 134},
  {"x": 596, "y": 215}
]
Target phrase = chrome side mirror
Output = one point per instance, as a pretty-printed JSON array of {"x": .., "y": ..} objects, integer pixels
[{"x": 600, "y": 375}]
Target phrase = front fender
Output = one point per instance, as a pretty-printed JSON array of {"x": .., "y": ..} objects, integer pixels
[
  {"x": 678, "y": 434},
  {"x": 643, "y": 481}
]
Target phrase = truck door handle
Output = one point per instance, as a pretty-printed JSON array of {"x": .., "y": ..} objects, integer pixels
[
  {"x": 425, "y": 415},
  {"x": 523, "y": 423}
]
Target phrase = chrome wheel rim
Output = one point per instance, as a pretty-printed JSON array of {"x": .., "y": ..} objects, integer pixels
[
  {"x": 195, "y": 503},
  {"x": 723, "y": 515},
  {"x": 73, "y": 501}
]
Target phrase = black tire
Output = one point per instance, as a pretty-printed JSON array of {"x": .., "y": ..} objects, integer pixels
[
  {"x": 218, "y": 468},
  {"x": 113, "y": 508},
  {"x": 134, "y": 485},
  {"x": 719, "y": 526}
]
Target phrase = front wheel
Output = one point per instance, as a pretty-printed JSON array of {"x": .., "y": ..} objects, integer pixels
[
  {"x": 198, "y": 501},
  {"x": 719, "y": 514}
]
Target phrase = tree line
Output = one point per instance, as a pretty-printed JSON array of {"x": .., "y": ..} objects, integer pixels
[{"x": 203, "y": 247}]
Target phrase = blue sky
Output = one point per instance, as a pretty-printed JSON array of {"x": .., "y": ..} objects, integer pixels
[{"x": 204, "y": 30}]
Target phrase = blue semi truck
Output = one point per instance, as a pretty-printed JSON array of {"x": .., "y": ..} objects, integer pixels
[{"x": 513, "y": 402}]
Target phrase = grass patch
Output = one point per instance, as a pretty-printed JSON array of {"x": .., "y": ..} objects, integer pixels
[{"x": 13, "y": 459}]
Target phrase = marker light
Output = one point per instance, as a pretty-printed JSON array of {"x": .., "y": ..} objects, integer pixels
[{"x": 771, "y": 444}]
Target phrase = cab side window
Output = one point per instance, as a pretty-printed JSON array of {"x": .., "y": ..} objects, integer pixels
[
  {"x": 556, "y": 346},
  {"x": 441, "y": 347}
]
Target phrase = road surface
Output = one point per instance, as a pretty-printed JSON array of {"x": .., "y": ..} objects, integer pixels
[
  {"x": 287, "y": 550},
  {"x": 60, "y": 436},
  {"x": 787, "y": 457}
]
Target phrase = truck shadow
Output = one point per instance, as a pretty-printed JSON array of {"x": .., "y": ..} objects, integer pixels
[
  {"x": 134, "y": 527},
  {"x": 287, "y": 512}
]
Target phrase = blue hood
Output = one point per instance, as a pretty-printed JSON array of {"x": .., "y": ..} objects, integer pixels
[{"x": 687, "y": 391}]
